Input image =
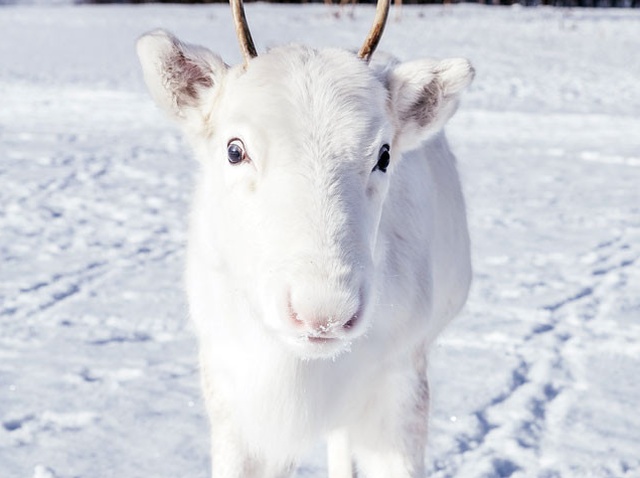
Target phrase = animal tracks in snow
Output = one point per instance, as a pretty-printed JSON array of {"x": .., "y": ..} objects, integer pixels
[
  {"x": 555, "y": 323},
  {"x": 91, "y": 269},
  {"x": 24, "y": 430}
]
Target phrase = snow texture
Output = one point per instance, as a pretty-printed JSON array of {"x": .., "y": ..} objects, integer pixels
[{"x": 537, "y": 378}]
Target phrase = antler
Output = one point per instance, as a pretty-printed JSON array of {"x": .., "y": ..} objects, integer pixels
[
  {"x": 242, "y": 30},
  {"x": 249, "y": 50},
  {"x": 372, "y": 40}
]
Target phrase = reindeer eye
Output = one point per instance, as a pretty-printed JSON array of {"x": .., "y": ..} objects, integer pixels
[
  {"x": 383, "y": 159},
  {"x": 235, "y": 151}
]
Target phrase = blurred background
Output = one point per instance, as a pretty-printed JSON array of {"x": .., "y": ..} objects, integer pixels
[{"x": 528, "y": 3}]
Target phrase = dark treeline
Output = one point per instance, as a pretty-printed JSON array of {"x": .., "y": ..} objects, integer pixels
[{"x": 528, "y": 3}]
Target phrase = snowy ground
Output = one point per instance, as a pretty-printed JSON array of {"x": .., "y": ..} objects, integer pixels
[{"x": 538, "y": 377}]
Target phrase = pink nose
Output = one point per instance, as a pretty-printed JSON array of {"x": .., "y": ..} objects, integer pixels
[{"x": 319, "y": 322}]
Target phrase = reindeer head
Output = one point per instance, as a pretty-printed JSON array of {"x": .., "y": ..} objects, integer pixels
[{"x": 297, "y": 149}]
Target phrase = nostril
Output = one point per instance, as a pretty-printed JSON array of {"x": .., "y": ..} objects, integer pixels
[
  {"x": 293, "y": 315},
  {"x": 351, "y": 322},
  {"x": 355, "y": 318}
]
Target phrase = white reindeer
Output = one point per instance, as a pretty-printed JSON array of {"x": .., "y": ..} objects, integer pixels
[{"x": 328, "y": 246}]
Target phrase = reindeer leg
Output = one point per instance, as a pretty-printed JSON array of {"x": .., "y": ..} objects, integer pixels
[
  {"x": 230, "y": 457},
  {"x": 393, "y": 439},
  {"x": 340, "y": 464}
]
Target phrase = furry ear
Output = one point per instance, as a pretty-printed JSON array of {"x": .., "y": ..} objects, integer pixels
[
  {"x": 178, "y": 75},
  {"x": 424, "y": 95}
]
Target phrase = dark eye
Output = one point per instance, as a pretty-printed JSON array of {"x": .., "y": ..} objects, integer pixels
[
  {"x": 235, "y": 151},
  {"x": 383, "y": 159}
]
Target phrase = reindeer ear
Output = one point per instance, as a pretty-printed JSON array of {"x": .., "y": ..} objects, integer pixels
[
  {"x": 179, "y": 76},
  {"x": 424, "y": 95}
]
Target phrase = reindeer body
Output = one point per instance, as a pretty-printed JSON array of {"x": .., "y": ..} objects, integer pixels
[{"x": 322, "y": 263}]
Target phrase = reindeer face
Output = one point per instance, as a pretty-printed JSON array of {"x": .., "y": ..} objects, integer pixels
[
  {"x": 297, "y": 149},
  {"x": 300, "y": 153}
]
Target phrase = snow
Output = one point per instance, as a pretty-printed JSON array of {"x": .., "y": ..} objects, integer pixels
[{"x": 537, "y": 378}]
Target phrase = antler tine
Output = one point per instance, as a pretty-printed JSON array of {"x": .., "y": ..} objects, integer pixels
[
  {"x": 242, "y": 30},
  {"x": 372, "y": 40}
]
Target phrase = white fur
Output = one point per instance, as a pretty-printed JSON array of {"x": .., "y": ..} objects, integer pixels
[{"x": 315, "y": 282}]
